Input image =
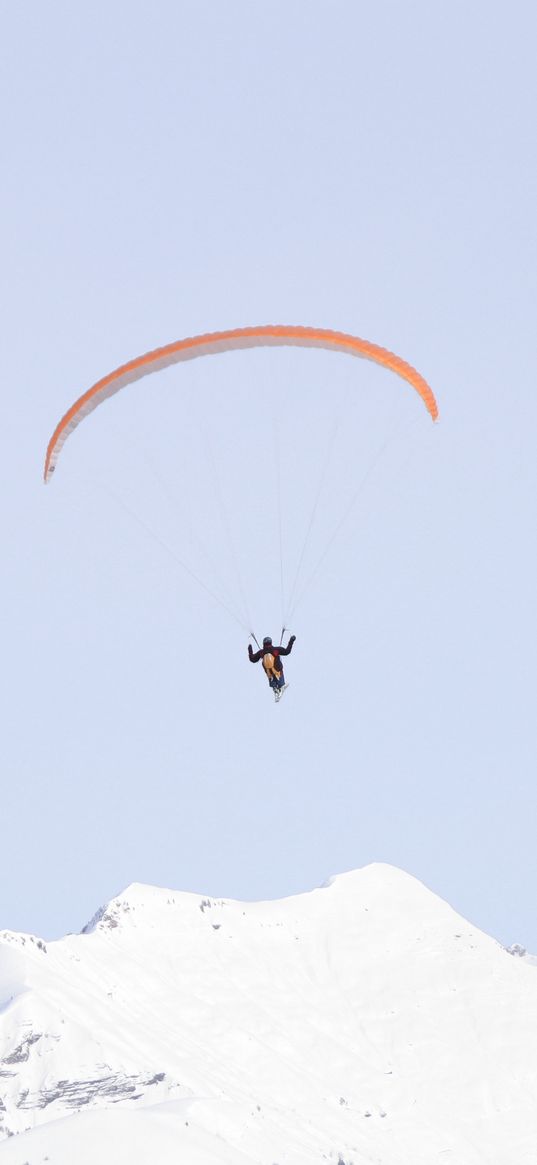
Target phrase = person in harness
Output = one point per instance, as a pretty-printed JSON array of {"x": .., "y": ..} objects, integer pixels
[{"x": 272, "y": 663}]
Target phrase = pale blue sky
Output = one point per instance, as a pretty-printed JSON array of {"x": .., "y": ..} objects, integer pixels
[{"x": 171, "y": 168}]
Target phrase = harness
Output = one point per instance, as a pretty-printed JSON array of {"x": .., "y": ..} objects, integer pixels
[{"x": 269, "y": 664}]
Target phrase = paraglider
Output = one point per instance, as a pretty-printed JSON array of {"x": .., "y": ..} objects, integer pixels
[
  {"x": 271, "y": 658},
  {"x": 214, "y": 343}
]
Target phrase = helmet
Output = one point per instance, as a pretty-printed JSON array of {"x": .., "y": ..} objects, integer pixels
[{"x": 267, "y": 642}]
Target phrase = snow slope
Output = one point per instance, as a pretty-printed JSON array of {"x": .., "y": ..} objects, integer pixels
[{"x": 363, "y": 1022}]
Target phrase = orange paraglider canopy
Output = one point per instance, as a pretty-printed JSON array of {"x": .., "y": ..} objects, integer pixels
[{"x": 214, "y": 342}]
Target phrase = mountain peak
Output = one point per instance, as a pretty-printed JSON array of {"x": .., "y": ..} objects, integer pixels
[
  {"x": 380, "y": 882},
  {"x": 357, "y": 1021}
]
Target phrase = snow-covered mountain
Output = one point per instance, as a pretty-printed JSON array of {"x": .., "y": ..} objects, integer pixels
[{"x": 364, "y": 1022}]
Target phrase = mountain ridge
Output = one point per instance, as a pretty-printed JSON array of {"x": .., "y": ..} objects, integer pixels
[{"x": 361, "y": 1019}]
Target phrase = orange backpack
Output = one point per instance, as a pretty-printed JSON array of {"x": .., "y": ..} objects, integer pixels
[{"x": 268, "y": 664}]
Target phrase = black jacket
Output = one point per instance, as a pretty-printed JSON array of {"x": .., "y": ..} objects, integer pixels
[{"x": 255, "y": 656}]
